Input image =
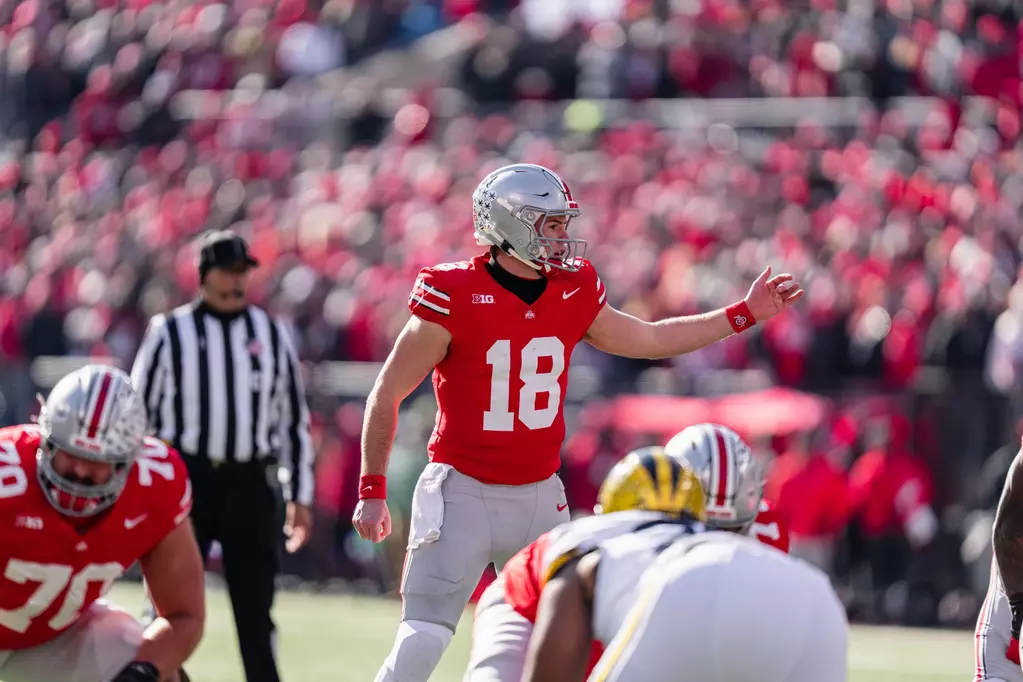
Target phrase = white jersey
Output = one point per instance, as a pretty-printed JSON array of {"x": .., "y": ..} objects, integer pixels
[
  {"x": 704, "y": 595},
  {"x": 504, "y": 618},
  {"x": 623, "y": 561},
  {"x": 588, "y": 533}
]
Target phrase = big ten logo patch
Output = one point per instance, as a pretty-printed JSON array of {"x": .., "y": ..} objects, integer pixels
[{"x": 482, "y": 298}]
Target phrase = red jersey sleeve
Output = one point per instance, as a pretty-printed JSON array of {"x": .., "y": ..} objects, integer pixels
[
  {"x": 432, "y": 297},
  {"x": 596, "y": 293}
]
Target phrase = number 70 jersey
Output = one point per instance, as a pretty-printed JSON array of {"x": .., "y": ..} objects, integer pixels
[
  {"x": 52, "y": 570},
  {"x": 501, "y": 387}
]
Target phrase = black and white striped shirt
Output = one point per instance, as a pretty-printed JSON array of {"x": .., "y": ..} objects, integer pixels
[{"x": 227, "y": 388}]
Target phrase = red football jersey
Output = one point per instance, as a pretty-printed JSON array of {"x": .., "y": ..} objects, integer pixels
[
  {"x": 770, "y": 528},
  {"x": 52, "y": 571},
  {"x": 501, "y": 387}
]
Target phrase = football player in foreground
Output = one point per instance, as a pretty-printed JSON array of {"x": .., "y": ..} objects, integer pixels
[
  {"x": 646, "y": 480},
  {"x": 498, "y": 332},
  {"x": 996, "y": 643},
  {"x": 507, "y": 610},
  {"x": 733, "y": 482},
  {"x": 711, "y": 606},
  {"x": 83, "y": 495}
]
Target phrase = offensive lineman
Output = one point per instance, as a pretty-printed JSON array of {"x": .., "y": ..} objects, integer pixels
[
  {"x": 713, "y": 606},
  {"x": 996, "y": 643},
  {"x": 84, "y": 495},
  {"x": 507, "y": 610},
  {"x": 645, "y": 480},
  {"x": 732, "y": 481},
  {"x": 499, "y": 331}
]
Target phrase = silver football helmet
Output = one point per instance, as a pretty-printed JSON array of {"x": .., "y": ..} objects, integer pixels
[
  {"x": 92, "y": 413},
  {"x": 510, "y": 206},
  {"x": 731, "y": 476}
]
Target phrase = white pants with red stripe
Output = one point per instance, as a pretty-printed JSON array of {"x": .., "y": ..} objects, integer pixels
[{"x": 991, "y": 640}]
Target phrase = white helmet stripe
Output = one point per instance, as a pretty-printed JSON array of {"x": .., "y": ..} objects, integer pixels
[
  {"x": 733, "y": 474},
  {"x": 712, "y": 472}
]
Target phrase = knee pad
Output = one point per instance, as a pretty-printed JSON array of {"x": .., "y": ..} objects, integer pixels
[{"x": 417, "y": 650}]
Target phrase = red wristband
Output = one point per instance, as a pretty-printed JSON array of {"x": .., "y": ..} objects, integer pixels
[
  {"x": 740, "y": 317},
  {"x": 372, "y": 487}
]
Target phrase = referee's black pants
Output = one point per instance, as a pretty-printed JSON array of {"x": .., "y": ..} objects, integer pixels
[{"x": 239, "y": 507}]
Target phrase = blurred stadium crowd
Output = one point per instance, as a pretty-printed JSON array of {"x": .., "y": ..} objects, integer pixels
[{"x": 127, "y": 127}]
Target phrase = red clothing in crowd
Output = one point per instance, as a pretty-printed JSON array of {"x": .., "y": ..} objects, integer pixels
[
  {"x": 809, "y": 493},
  {"x": 887, "y": 489}
]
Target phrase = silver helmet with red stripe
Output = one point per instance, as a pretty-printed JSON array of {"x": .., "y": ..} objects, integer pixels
[
  {"x": 510, "y": 208},
  {"x": 731, "y": 476},
  {"x": 93, "y": 415}
]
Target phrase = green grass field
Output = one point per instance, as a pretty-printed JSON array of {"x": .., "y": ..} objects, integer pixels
[{"x": 344, "y": 639}]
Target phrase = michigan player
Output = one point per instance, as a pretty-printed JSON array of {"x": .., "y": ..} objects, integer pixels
[
  {"x": 646, "y": 480},
  {"x": 699, "y": 596}
]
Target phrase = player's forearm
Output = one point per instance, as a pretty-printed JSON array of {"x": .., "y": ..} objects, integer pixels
[
  {"x": 681, "y": 335},
  {"x": 378, "y": 430},
  {"x": 169, "y": 641},
  {"x": 1008, "y": 530}
]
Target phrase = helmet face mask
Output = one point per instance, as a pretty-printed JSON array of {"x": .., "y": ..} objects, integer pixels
[
  {"x": 74, "y": 497},
  {"x": 731, "y": 477},
  {"x": 511, "y": 207},
  {"x": 92, "y": 414}
]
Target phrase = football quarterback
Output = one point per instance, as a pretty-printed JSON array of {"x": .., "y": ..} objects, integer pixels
[{"x": 498, "y": 332}]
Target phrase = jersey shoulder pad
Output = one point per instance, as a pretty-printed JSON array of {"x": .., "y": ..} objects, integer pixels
[
  {"x": 770, "y": 528},
  {"x": 585, "y": 284},
  {"x": 163, "y": 478},
  {"x": 18, "y": 448},
  {"x": 19, "y": 444},
  {"x": 581, "y": 536},
  {"x": 435, "y": 293}
]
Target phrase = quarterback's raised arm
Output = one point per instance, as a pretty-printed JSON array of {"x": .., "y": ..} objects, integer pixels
[
  {"x": 559, "y": 648},
  {"x": 1008, "y": 539},
  {"x": 174, "y": 577},
  {"x": 621, "y": 334}
]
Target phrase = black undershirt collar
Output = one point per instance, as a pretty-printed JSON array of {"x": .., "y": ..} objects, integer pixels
[{"x": 529, "y": 290}]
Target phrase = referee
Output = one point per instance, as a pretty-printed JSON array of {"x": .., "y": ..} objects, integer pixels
[{"x": 221, "y": 382}]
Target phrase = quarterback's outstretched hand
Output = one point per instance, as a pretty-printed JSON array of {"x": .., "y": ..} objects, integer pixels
[
  {"x": 769, "y": 296},
  {"x": 372, "y": 519}
]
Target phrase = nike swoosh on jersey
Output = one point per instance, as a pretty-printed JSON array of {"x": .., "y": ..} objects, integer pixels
[
  {"x": 569, "y": 294},
  {"x": 131, "y": 523}
]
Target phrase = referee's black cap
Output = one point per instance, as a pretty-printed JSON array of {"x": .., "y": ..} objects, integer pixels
[{"x": 223, "y": 249}]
